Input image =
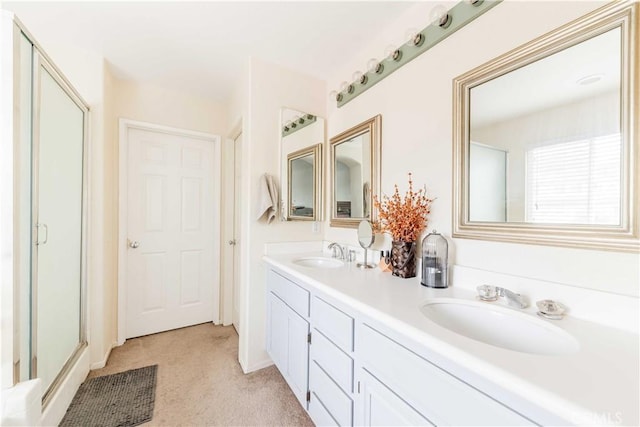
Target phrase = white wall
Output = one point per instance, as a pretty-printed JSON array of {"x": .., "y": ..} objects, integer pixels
[
  {"x": 257, "y": 105},
  {"x": 169, "y": 108},
  {"x": 416, "y": 107}
]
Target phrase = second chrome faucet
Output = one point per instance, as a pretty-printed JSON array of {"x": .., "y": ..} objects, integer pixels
[{"x": 492, "y": 293}]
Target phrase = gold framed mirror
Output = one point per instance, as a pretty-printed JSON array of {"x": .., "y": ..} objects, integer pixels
[
  {"x": 546, "y": 138},
  {"x": 301, "y": 165},
  {"x": 304, "y": 169},
  {"x": 355, "y": 173}
]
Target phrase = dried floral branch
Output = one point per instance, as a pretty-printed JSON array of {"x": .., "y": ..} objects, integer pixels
[{"x": 404, "y": 218}]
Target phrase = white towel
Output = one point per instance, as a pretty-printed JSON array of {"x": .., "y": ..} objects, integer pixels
[{"x": 268, "y": 198}]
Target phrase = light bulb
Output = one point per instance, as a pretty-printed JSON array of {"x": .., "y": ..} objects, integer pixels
[
  {"x": 333, "y": 94},
  {"x": 356, "y": 76},
  {"x": 439, "y": 16},
  {"x": 287, "y": 124},
  {"x": 344, "y": 86},
  {"x": 389, "y": 51},
  {"x": 409, "y": 35},
  {"x": 372, "y": 64}
]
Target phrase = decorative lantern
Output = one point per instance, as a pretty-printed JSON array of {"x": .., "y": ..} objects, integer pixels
[{"x": 435, "y": 250}]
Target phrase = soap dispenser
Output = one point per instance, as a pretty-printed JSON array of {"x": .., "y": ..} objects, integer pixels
[{"x": 435, "y": 251}]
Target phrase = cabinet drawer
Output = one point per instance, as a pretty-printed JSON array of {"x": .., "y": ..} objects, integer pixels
[
  {"x": 336, "y": 401},
  {"x": 319, "y": 414},
  {"x": 436, "y": 394},
  {"x": 333, "y": 323},
  {"x": 293, "y": 295},
  {"x": 383, "y": 408},
  {"x": 334, "y": 361}
]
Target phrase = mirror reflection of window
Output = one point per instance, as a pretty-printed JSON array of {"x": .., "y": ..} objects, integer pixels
[
  {"x": 559, "y": 120},
  {"x": 564, "y": 108},
  {"x": 574, "y": 182}
]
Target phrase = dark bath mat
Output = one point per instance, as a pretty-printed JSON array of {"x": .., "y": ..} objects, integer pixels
[{"x": 118, "y": 400}]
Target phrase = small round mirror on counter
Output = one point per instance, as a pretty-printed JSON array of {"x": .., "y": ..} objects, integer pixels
[
  {"x": 366, "y": 237},
  {"x": 365, "y": 234}
]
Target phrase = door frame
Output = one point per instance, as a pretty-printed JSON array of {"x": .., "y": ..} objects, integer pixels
[
  {"x": 226, "y": 269},
  {"x": 123, "y": 154}
]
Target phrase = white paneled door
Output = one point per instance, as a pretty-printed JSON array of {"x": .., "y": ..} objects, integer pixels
[{"x": 172, "y": 269}]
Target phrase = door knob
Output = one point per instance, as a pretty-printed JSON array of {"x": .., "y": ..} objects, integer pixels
[
  {"x": 134, "y": 244},
  {"x": 232, "y": 242}
]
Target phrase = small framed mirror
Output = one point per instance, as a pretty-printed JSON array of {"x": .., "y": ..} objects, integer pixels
[
  {"x": 546, "y": 138},
  {"x": 305, "y": 176},
  {"x": 302, "y": 138},
  {"x": 355, "y": 173}
]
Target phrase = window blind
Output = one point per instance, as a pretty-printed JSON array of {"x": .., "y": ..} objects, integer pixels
[{"x": 575, "y": 182}]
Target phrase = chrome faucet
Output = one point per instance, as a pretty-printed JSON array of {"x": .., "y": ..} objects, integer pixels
[
  {"x": 335, "y": 248},
  {"x": 492, "y": 293}
]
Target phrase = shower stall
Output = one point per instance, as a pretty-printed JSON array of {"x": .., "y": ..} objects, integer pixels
[{"x": 49, "y": 131}]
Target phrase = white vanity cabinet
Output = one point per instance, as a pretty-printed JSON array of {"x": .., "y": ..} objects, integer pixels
[
  {"x": 382, "y": 407},
  {"x": 288, "y": 331},
  {"x": 331, "y": 364},
  {"x": 346, "y": 368},
  {"x": 401, "y": 385}
]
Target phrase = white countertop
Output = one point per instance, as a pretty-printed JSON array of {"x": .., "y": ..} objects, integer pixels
[{"x": 599, "y": 384}]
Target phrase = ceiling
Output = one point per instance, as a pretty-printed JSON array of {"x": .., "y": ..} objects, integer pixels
[{"x": 200, "y": 47}]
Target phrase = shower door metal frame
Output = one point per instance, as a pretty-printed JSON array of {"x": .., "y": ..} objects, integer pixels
[{"x": 42, "y": 63}]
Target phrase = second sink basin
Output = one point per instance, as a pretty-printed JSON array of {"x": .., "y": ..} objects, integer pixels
[
  {"x": 318, "y": 262},
  {"x": 500, "y": 326}
]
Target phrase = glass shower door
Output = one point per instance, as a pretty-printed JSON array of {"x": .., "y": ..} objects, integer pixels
[{"x": 59, "y": 134}]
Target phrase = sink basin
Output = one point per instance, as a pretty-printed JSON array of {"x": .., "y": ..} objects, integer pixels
[
  {"x": 500, "y": 326},
  {"x": 318, "y": 262}
]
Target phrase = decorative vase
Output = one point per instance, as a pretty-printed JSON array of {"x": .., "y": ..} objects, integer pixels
[{"x": 403, "y": 259}]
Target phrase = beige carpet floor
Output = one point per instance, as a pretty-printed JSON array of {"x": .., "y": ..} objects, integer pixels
[{"x": 200, "y": 382}]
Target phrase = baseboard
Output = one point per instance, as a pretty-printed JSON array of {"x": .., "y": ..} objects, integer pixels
[
  {"x": 256, "y": 366},
  {"x": 102, "y": 363}
]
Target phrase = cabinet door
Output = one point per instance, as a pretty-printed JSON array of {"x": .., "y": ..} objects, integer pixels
[
  {"x": 288, "y": 347},
  {"x": 277, "y": 334},
  {"x": 382, "y": 407}
]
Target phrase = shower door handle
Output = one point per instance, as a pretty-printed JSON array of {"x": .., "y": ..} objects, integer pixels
[{"x": 46, "y": 234}]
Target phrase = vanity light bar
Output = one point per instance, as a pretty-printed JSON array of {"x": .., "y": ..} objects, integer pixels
[
  {"x": 297, "y": 124},
  {"x": 457, "y": 17}
]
